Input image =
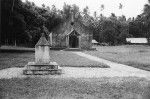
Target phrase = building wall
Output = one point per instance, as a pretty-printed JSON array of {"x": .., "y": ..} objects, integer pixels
[
  {"x": 58, "y": 41},
  {"x": 86, "y": 41}
]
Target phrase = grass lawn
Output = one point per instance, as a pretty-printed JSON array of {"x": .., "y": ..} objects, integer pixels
[
  {"x": 15, "y": 59},
  {"x": 67, "y": 58},
  {"x": 78, "y": 88},
  {"x": 133, "y": 55},
  {"x": 71, "y": 88},
  {"x": 63, "y": 58}
]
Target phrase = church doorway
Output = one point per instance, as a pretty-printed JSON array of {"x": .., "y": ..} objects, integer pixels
[{"x": 74, "y": 40}]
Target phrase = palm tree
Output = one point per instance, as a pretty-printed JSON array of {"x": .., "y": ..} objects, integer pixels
[
  {"x": 120, "y": 7},
  {"x": 0, "y": 24},
  {"x": 147, "y": 9},
  {"x": 102, "y": 7},
  {"x": 12, "y": 8}
]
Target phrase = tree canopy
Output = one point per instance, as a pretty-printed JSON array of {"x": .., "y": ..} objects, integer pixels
[{"x": 22, "y": 22}]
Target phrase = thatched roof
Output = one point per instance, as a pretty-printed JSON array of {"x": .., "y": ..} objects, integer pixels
[
  {"x": 72, "y": 30},
  {"x": 65, "y": 27},
  {"x": 137, "y": 40}
]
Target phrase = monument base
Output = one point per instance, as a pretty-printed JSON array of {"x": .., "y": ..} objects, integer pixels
[{"x": 33, "y": 68}]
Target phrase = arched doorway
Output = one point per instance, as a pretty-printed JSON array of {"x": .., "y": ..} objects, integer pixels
[{"x": 74, "y": 40}]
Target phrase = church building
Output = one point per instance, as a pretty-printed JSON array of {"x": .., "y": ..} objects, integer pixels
[{"x": 72, "y": 34}]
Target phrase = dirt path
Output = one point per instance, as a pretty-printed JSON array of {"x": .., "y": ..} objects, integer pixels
[
  {"x": 116, "y": 70},
  {"x": 121, "y": 69},
  {"x": 11, "y": 73}
]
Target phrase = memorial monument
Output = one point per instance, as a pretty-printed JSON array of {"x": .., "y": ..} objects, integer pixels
[{"x": 42, "y": 64}]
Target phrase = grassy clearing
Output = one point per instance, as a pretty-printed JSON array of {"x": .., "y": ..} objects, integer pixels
[
  {"x": 63, "y": 58},
  {"x": 66, "y": 58},
  {"x": 8, "y": 60},
  {"x": 94, "y": 88},
  {"x": 133, "y": 55}
]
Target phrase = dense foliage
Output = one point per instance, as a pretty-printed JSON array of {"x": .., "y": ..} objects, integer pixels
[{"x": 23, "y": 23}]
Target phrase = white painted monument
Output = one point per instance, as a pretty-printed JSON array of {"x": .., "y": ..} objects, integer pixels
[
  {"x": 42, "y": 64},
  {"x": 42, "y": 51}
]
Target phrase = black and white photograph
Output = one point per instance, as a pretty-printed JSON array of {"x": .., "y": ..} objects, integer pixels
[{"x": 74, "y": 49}]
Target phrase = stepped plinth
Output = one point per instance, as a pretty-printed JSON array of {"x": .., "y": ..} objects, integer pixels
[{"x": 42, "y": 64}]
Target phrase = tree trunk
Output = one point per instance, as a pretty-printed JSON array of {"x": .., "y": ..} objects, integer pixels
[
  {"x": 15, "y": 39},
  {"x": 15, "y": 42},
  {"x": 148, "y": 41},
  {"x": 0, "y": 23}
]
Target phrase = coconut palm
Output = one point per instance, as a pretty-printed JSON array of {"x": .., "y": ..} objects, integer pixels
[
  {"x": 120, "y": 7},
  {"x": 147, "y": 9},
  {"x": 102, "y": 7}
]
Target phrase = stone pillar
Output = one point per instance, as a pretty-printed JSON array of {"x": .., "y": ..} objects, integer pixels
[{"x": 42, "y": 51}]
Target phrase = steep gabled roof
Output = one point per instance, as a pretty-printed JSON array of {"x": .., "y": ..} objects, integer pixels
[
  {"x": 72, "y": 30},
  {"x": 42, "y": 41},
  {"x": 65, "y": 27}
]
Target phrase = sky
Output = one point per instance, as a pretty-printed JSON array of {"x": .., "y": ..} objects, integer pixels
[{"x": 131, "y": 8}]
